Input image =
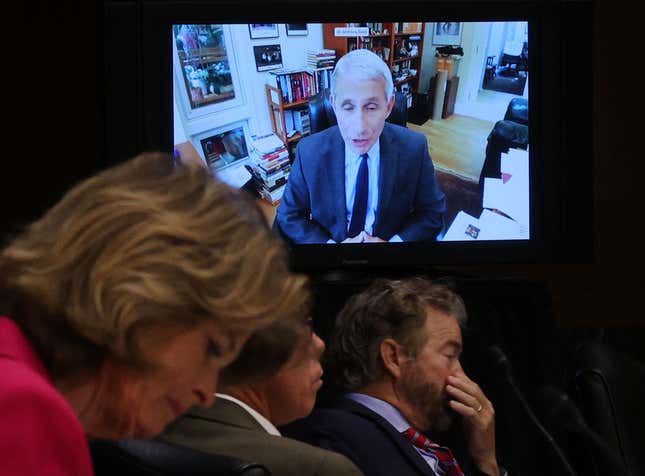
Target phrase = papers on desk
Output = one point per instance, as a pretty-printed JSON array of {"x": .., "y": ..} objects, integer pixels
[
  {"x": 508, "y": 195},
  {"x": 489, "y": 226},
  {"x": 235, "y": 175},
  {"x": 465, "y": 227}
]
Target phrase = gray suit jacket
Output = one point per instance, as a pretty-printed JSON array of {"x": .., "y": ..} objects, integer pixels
[{"x": 226, "y": 428}]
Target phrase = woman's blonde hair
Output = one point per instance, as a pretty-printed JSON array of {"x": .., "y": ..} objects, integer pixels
[{"x": 147, "y": 244}]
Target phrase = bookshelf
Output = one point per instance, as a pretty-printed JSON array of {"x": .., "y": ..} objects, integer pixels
[
  {"x": 399, "y": 44},
  {"x": 277, "y": 109},
  {"x": 288, "y": 98}
]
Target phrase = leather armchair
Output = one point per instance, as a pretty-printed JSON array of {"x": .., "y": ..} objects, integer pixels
[
  {"x": 517, "y": 111},
  {"x": 322, "y": 116},
  {"x": 510, "y": 132},
  {"x": 156, "y": 458}
]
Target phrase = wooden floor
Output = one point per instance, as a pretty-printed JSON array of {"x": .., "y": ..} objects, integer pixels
[{"x": 457, "y": 144}]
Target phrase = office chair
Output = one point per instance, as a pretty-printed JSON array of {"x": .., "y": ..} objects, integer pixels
[
  {"x": 156, "y": 458},
  {"x": 322, "y": 116},
  {"x": 609, "y": 389}
]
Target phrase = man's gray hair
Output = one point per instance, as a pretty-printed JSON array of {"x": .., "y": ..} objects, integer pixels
[{"x": 365, "y": 64}]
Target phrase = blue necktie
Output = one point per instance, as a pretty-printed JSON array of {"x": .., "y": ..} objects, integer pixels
[{"x": 360, "y": 199}]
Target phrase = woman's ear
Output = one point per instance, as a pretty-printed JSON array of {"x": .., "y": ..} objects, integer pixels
[{"x": 393, "y": 357}]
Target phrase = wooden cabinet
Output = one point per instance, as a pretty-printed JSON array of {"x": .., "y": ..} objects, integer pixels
[
  {"x": 288, "y": 101},
  {"x": 399, "y": 44},
  {"x": 450, "y": 97}
]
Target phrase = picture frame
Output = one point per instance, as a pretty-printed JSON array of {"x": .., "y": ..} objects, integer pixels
[
  {"x": 297, "y": 29},
  {"x": 267, "y": 57},
  {"x": 224, "y": 148},
  {"x": 447, "y": 33},
  {"x": 263, "y": 30}
]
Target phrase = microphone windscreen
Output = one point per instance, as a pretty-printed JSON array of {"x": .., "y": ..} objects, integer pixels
[
  {"x": 562, "y": 408},
  {"x": 500, "y": 360}
]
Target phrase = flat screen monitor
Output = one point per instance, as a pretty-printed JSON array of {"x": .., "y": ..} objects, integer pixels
[{"x": 455, "y": 148}]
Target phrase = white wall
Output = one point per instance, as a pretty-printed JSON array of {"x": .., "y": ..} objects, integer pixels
[
  {"x": 471, "y": 67},
  {"x": 252, "y": 109},
  {"x": 428, "y": 60},
  {"x": 496, "y": 41}
]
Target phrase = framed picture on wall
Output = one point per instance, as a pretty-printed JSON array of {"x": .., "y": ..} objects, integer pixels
[
  {"x": 296, "y": 29},
  {"x": 267, "y": 57},
  {"x": 263, "y": 30},
  {"x": 447, "y": 33}
]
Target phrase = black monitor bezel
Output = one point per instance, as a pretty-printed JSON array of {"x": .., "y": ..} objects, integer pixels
[{"x": 560, "y": 206}]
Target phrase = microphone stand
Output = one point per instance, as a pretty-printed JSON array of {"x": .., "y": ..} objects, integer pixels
[{"x": 501, "y": 360}]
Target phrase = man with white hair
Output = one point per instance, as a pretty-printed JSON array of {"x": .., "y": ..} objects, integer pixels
[{"x": 363, "y": 180}]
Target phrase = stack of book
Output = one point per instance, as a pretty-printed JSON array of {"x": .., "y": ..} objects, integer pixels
[
  {"x": 269, "y": 166},
  {"x": 324, "y": 58},
  {"x": 321, "y": 64}
]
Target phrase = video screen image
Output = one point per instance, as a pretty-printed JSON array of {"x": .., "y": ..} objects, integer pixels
[{"x": 363, "y": 132}]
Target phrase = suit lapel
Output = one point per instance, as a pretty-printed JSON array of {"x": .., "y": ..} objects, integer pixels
[
  {"x": 387, "y": 174},
  {"x": 335, "y": 160},
  {"x": 404, "y": 446}
]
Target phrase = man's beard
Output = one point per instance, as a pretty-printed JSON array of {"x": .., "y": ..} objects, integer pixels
[{"x": 432, "y": 410}]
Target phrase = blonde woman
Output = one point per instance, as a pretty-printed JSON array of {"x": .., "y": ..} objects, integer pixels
[{"x": 121, "y": 305}]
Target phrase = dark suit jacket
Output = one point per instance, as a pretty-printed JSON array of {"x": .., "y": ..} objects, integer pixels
[
  {"x": 226, "y": 428},
  {"x": 313, "y": 209},
  {"x": 366, "y": 438}
]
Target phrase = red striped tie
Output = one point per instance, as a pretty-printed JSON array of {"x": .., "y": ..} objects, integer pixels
[{"x": 447, "y": 462}]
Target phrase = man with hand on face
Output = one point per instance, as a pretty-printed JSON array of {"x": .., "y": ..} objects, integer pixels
[
  {"x": 396, "y": 349},
  {"x": 363, "y": 180},
  {"x": 242, "y": 422}
]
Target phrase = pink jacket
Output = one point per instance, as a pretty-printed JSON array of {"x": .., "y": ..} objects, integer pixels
[{"x": 39, "y": 431}]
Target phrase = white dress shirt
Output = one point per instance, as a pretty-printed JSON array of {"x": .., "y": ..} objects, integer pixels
[
  {"x": 264, "y": 423},
  {"x": 352, "y": 164}
]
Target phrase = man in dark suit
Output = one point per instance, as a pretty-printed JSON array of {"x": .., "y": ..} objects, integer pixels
[
  {"x": 396, "y": 349},
  {"x": 363, "y": 180},
  {"x": 242, "y": 422}
]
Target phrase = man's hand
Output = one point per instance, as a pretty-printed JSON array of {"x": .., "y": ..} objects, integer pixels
[
  {"x": 357, "y": 239},
  {"x": 479, "y": 420},
  {"x": 372, "y": 239}
]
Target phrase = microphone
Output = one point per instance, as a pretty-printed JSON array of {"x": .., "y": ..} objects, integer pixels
[
  {"x": 563, "y": 409},
  {"x": 500, "y": 360}
]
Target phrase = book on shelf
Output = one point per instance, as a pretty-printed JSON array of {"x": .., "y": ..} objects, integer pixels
[
  {"x": 321, "y": 78},
  {"x": 301, "y": 121},
  {"x": 295, "y": 84}
]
